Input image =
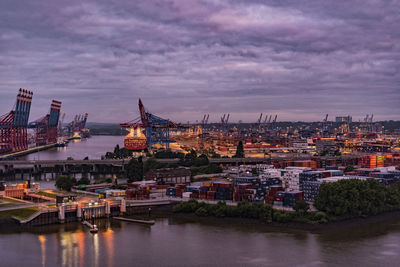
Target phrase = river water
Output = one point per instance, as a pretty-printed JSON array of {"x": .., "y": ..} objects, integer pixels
[
  {"x": 182, "y": 243},
  {"x": 172, "y": 242},
  {"x": 93, "y": 147}
]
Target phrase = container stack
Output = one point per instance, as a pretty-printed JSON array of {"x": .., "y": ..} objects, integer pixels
[
  {"x": 139, "y": 193},
  {"x": 203, "y": 191},
  {"x": 386, "y": 178},
  {"x": 380, "y": 161},
  {"x": 279, "y": 196},
  {"x": 193, "y": 190},
  {"x": 305, "y": 163},
  {"x": 224, "y": 191},
  {"x": 171, "y": 191},
  {"x": 309, "y": 176},
  {"x": 272, "y": 195},
  {"x": 179, "y": 189},
  {"x": 290, "y": 198},
  {"x": 211, "y": 195},
  {"x": 310, "y": 189},
  {"x": 243, "y": 192},
  {"x": 368, "y": 161},
  {"x": 260, "y": 193}
]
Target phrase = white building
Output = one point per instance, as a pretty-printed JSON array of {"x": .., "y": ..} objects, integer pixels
[{"x": 290, "y": 177}]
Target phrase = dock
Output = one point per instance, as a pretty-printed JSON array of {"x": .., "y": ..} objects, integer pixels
[
  {"x": 88, "y": 224},
  {"x": 134, "y": 220}
]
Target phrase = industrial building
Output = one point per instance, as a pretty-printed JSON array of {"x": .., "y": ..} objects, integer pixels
[{"x": 170, "y": 176}]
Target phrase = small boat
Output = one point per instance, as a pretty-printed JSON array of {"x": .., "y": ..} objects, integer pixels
[{"x": 94, "y": 229}]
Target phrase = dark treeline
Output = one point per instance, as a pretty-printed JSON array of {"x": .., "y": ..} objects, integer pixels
[
  {"x": 137, "y": 168},
  {"x": 255, "y": 210},
  {"x": 353, "y": 198},
  {"x": 340, "y": 200}
]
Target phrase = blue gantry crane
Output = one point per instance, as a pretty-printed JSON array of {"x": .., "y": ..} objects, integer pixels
[{"x": 156, "y": 129}]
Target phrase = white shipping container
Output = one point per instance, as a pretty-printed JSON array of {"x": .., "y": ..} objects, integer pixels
[
  {"x": 186, "y": 194},
  {"x": 156, "y": 195}
]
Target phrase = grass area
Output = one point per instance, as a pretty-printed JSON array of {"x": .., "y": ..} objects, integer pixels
[
  {"x": 23, "y": 213},
  {"x": 48, "y": 194},
  {"x": 5, "y": 205},
  {"x": 11, "y": 200},
  {"x": 51, "y": 205}
]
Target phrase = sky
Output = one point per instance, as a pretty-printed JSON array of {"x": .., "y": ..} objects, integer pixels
[{"x": 299, "y": 59}]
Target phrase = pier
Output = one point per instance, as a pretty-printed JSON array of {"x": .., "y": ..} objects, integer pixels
[{"x": 151, "y": 222}]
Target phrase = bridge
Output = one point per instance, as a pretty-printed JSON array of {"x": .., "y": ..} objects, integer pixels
[{"x": 50, "y": 169}]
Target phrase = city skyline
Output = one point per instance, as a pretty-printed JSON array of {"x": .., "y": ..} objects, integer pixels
[{"x": 299, "y": 60}]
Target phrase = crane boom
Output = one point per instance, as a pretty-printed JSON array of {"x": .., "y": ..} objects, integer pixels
[
  {"x": 259, "y": 119},
  {"x": 265, "y": 119}
]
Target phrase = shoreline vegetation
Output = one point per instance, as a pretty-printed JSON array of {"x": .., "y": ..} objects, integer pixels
[
  {"x": 340, "y": 202},
  {"x": 339, "y": 223},
  {"x": 21, "y": 213},
  {"x": 170, "y": 212}
]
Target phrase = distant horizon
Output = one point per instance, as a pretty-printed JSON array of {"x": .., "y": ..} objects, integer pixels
[{"x": 247, "y": 122}]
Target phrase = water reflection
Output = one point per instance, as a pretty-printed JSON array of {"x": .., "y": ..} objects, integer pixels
[
  {"x": 93, "y": 147},
  {"x": 171, "y": 244},
  {"x": 109, "y": 242},
  {"x": 42, "y": 240},
  {"x": 80, "y": 237},
  {"x": 95, "y": 239}
]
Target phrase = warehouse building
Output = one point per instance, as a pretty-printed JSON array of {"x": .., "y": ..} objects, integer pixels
[{"x": 170, "y": 176}]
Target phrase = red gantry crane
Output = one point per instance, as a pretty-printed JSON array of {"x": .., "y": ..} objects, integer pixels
[{"x": 14, "y": 124}]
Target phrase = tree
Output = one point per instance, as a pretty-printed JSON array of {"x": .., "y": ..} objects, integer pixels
[
  {"x": 189, "y": 159},
  {"x": 117, "y": 152},
  {"x": 153, "y": 164},
  {"x": 323, "y": 153},
  {"x": 354, "y": 197},
  {"x": 349, "y": 168},
  {"x": 84, "y": 180},
  {"x": 134, "y": 170},
  {"x": 239, "y": 150},
  {"x": 301, "y": 206},
  {"x": 215, "y": 155},
  {"x": 64, "y": 182},
  {"x": 202, "y": 160},
  {"x": 168, "y": 154},
  {"x": 109, "y": 155}
]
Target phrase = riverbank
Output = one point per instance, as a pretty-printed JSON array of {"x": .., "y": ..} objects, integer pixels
[{"x": 166, "y": 212}]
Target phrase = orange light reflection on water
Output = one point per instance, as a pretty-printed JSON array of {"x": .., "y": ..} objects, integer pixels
[
  {"x": 109, "y": 242},
  {"x": 80, "y": 238},
  {"x": 42, "y": 240}
]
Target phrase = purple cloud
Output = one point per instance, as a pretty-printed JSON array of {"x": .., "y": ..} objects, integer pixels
[{"x": 299, "y": 59}]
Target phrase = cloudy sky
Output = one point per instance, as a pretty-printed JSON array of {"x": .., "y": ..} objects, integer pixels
[{"x": 299, "y": 59}]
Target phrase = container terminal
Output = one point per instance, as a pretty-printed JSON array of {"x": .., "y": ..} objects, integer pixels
[
  {"x": 19, "y": 137},
  {"x": 257, "y": 162}
]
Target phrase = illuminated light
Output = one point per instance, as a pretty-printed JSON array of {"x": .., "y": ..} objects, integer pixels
[{"x": 42, "y": 240}]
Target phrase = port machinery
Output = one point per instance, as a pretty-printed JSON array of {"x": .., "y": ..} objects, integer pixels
[
  {"x": 77, "y": 125},
  {"x": 46, "y": 127},
  {"x": 156, "y": 130},
  {"x": 14, "y": 124}
]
